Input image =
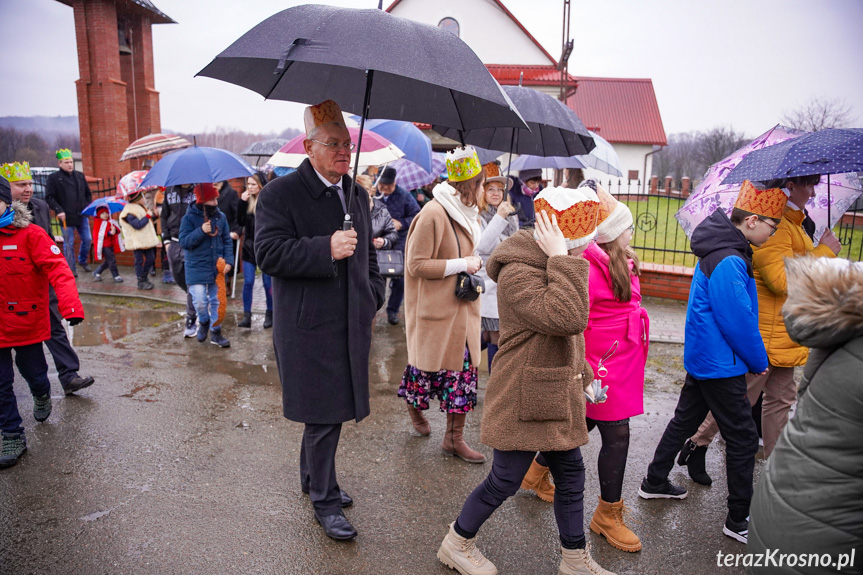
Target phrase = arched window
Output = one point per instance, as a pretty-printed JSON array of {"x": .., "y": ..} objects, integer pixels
[{"x": 450, "y": 25}]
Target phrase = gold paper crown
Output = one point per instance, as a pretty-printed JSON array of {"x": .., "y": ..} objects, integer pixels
[
  {"x": 16, "y": 171},
  {"x": 576, "y": 210},
  {"x": 462, "y": 164},
  {"x": 64, "y": 153},
  {"x": 769, "y": 203},
  {"x": 323, "y": 113}
]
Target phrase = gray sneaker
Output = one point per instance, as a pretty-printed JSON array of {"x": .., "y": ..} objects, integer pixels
[
  {"x": 14, "y": 446},
  {"x": 41, "y": 407},
  {"x": 191, "y": 329}
]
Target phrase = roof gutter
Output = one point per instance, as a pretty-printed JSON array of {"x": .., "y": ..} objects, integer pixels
[{"x": 645, "y": 164}]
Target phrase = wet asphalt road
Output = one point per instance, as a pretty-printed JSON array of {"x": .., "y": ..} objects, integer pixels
[{"x": 178, "y": 460}]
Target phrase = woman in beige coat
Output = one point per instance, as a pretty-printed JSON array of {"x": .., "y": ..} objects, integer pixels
[
  {"x": 443, "y": 332},
  {"x": 535, "y": 400}
]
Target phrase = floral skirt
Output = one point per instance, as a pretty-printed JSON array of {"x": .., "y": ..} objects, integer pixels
[{"x": 456, "y": 390}]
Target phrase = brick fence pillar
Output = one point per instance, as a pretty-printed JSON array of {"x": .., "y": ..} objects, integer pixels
[
  {"x": 654, "y": 184},
  {"x": 668, "y": 185},
  {"x": 684, "y": 187}
]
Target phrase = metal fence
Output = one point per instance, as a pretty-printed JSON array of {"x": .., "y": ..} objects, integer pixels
[{"x": 658, "y": 238}]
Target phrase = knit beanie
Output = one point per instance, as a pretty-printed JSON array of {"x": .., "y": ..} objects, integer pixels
[
  {"x": 205, "y": 193},
  {"x": 614, "y": 217}
]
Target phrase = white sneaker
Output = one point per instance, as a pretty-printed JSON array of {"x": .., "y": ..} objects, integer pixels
[{"x": 461, "y": 554}]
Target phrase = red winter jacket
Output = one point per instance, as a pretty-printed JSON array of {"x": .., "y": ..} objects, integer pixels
[{"x": 29, "y": 260}]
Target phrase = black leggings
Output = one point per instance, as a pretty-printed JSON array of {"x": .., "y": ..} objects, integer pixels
[{"x": 612, "y": 456}]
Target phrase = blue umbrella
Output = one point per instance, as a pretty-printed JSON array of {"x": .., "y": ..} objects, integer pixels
[
  {"x": 197, "y": 165},
  {"x": 406, "y": 137},
  {"x": 113, "y": 206},
  {"x": 833, "y": 151}
]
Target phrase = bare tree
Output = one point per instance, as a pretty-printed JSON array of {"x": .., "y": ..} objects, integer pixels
[
  {"x": 716, "y": 145},
  {"x": 820, "y": 114}
]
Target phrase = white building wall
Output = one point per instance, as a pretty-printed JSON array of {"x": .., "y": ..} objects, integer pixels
[
  {"x": 631, "y": 157},
  {"x": 482, "y": 26}
]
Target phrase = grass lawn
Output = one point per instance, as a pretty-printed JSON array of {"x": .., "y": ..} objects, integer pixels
[{"x": 656, "y": 230}]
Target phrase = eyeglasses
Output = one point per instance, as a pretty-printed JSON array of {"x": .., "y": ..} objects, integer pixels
[
  {"x": 772, "y": 226},
  {"x": 631, "y": 229},
  {"x": 350, "y": 146}
]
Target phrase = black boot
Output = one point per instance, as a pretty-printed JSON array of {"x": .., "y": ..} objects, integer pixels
[
  {"x": 246, "y": 321},
  {"x": 144, "y": 283},
  {"x": 693, "y": 457},
  {"x": 268, "y": 319}
]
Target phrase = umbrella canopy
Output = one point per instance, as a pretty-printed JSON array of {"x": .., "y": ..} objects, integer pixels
[
  {"x": 264, "y": 147},
  {"x": 131, "y": 182},
  {"x": 196, "y": 165},
  {"x": 833, "y": 151},
  {"x": 418, "y": 72},
  {"x": 154, "y": 144},
  {"x": 114, "y": 205},
  {"x": 406, "y": 137},
  {"x": 713, "y": 192},
  {"x": 375, "y": 150},
  {"x": 554, "y": 129},
  {"x": 411, "y": 176},
  {"x": 602, "y": 158}
]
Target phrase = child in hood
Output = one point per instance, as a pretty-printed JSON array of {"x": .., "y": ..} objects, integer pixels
[{"x": 108, "y": 239}]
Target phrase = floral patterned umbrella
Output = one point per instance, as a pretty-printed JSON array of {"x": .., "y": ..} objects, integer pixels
[
  {"x": 131, "y": 182},
  {"x": 711, "y": 193}
]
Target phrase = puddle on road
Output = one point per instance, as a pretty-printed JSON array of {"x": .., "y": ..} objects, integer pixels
[{"x": 108, "y": 321}]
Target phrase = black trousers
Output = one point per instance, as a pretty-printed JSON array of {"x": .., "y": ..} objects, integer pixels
[
  {"x": 109, "y": 262},
  {"x": 318, "y": 467},
  {"x": 726, "y": 399},
  {"x": 144, "y": 260},
  {"x": 65, "y": 358}
]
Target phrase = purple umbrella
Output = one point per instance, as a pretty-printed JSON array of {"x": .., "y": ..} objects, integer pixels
[
  {"x": 711, "y": 193},
  {"x": 411, "y": 176}
]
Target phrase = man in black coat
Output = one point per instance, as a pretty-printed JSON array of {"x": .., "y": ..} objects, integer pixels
[
  {"x": 326, "y": 291},
  {"x": 68, "y": 194},
  {"x": 65, "y": 359}
]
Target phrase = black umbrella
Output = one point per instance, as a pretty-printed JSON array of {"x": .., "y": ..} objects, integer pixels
[
  {"x": 372, "y": 63},
  {"x": 554, "y": 129}
]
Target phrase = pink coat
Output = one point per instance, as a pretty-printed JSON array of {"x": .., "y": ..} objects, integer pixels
[{"x": 613, "y": 321}]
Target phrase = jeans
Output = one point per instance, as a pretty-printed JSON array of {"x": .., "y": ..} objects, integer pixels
[
  {"x": 83, "y": 230},
  {"x": 726, "y": 399},
  {"x": 33, "y": 367},
  {"x": 206, "y": 301},
  {"x": 249, "y": 270},
  {"x": 507, "y": 472},
  {"x": 110, "y": 261},
  {"x": 144, "y": 260}
]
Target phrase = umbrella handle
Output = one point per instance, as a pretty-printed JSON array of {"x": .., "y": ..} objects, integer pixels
[
  {"x": 348, "y": 223},
  {"x": 236, "y": 261}
]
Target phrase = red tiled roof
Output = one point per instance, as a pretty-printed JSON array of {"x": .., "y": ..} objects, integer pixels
[
  {"x": 509, "y": 75},
  {"x": 621, "y": 110},
  {"x": 511, "y": 17}
]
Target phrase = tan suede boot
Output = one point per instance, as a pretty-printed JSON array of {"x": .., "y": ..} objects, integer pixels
[
  {"x": 453, "y": 440},
  {"x": 537, "y": 479},
  {"x": 579, "y": 562},
  {"x": 608, "y": 521},
  {"x": 461, "y": 554},
  {"x": 419, "y": 421}
]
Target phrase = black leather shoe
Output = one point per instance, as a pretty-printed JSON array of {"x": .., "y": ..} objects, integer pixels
[
  {"x": 337, "y": 527},
  {"x": 77, "y": 384},
  {"x": 393, "y": 318},
  {"x": 347, "y": 500}
]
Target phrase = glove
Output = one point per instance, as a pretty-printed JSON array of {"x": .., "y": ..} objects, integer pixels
[
  {"x": 596, "y": 392},
  {"x": 74, "y": 320}
]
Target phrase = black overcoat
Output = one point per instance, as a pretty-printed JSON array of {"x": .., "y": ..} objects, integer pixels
[{"x": 322, "y": 310}]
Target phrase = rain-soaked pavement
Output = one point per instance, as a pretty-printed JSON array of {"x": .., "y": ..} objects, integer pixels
[{"x": 178, "y": 460}]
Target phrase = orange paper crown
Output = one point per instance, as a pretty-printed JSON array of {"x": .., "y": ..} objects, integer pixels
[
  {"x": 576, "y": 210},
  {"x": 492, "y": 170},
  {"x": 324, "y": 113},
  {"x": 769, "y": 203}
]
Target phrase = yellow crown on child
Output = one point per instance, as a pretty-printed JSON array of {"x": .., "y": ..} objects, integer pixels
[
  {"x": 16, "y": 171},
  {"x": 64, "y": 153},
  {"x": 462, "y": 164},
  {"x": 769, "y": 203}
]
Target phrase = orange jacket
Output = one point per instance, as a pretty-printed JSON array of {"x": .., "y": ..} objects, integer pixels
[{"x": 789, "y": 241}]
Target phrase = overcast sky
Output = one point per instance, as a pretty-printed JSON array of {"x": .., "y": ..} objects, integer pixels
[{"x": 713, "y": 62}]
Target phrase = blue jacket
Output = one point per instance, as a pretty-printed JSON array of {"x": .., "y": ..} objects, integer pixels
[
  {"x": 202, "y": 250},
  {"x": 402, "y": 207},
  {"x": 722, "y": 337}
]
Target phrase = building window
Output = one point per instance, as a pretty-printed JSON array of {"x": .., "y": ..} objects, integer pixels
[
  {"x": 633, "y": 175},
  {"x": 450, "y": 25}
]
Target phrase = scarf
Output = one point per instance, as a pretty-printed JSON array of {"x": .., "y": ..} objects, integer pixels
[
  {"x": 528, "y": 192},
  {"x": 7, "y": 217},
  {"x": 466, "y": 217},
  {"x": 511, "y": 221}
]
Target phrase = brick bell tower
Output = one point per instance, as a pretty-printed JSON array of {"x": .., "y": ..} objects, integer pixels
[{"x": 117, "y": 99}]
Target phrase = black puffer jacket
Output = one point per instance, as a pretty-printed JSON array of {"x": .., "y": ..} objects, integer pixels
[
  {"x": 246, "y": 222},
  {"x": 382, "y": 225},
  {"x": 229, "y": 203},
  {"x": 809, "y": 499}
]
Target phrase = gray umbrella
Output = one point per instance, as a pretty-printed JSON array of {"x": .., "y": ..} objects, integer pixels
[
  {"x": 554, "y": 129},
  {"x": 372, "y": 63},
  {"x": 264, "y": 147}
]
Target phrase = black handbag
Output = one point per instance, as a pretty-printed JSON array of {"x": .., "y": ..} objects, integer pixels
[
  {"x": 467, "y": 286},
  {"x": 391, "y": 263}
]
